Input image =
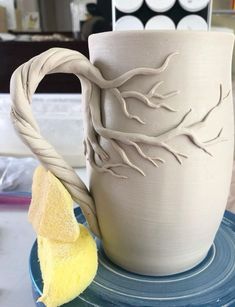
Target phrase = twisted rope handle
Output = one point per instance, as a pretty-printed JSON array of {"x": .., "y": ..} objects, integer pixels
[{"x": 23, "y": 84}]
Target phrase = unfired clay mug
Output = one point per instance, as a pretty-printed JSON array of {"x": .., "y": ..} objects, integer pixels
[{"x": 158, "y": 117}]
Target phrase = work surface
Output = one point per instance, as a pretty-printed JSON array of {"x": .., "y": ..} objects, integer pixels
[{"x": 17, "y": 237}]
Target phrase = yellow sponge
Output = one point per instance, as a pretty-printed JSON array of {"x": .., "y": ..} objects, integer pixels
[
  {"x": 51, "y": 210},
  {"x": 67, "y": 268}
]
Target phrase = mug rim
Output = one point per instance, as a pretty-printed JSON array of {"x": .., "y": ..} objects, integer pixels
[{"x": 159, "y": 32}]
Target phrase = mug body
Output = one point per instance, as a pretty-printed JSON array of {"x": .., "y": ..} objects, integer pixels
[{"x": 175, "y": 156}]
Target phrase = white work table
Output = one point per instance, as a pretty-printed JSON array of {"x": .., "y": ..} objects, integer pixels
[{"x": 16, "y": 239}]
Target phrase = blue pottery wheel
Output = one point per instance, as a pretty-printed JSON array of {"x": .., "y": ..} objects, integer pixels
[{"x": 211, "y": 283}]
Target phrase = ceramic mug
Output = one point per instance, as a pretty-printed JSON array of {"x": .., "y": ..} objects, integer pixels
[{"x": 158, "y": 121}]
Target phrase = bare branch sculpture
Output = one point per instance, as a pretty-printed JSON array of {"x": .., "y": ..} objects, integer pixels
[
  {"x": 145, "y": 99},
  {"x": 133, "y": 139}
]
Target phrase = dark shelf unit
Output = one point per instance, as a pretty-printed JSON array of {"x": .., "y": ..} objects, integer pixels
[{"x": 14, "y": 53}]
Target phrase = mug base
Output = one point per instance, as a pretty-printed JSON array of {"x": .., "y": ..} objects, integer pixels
[{"x": 157, "y": 270}]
